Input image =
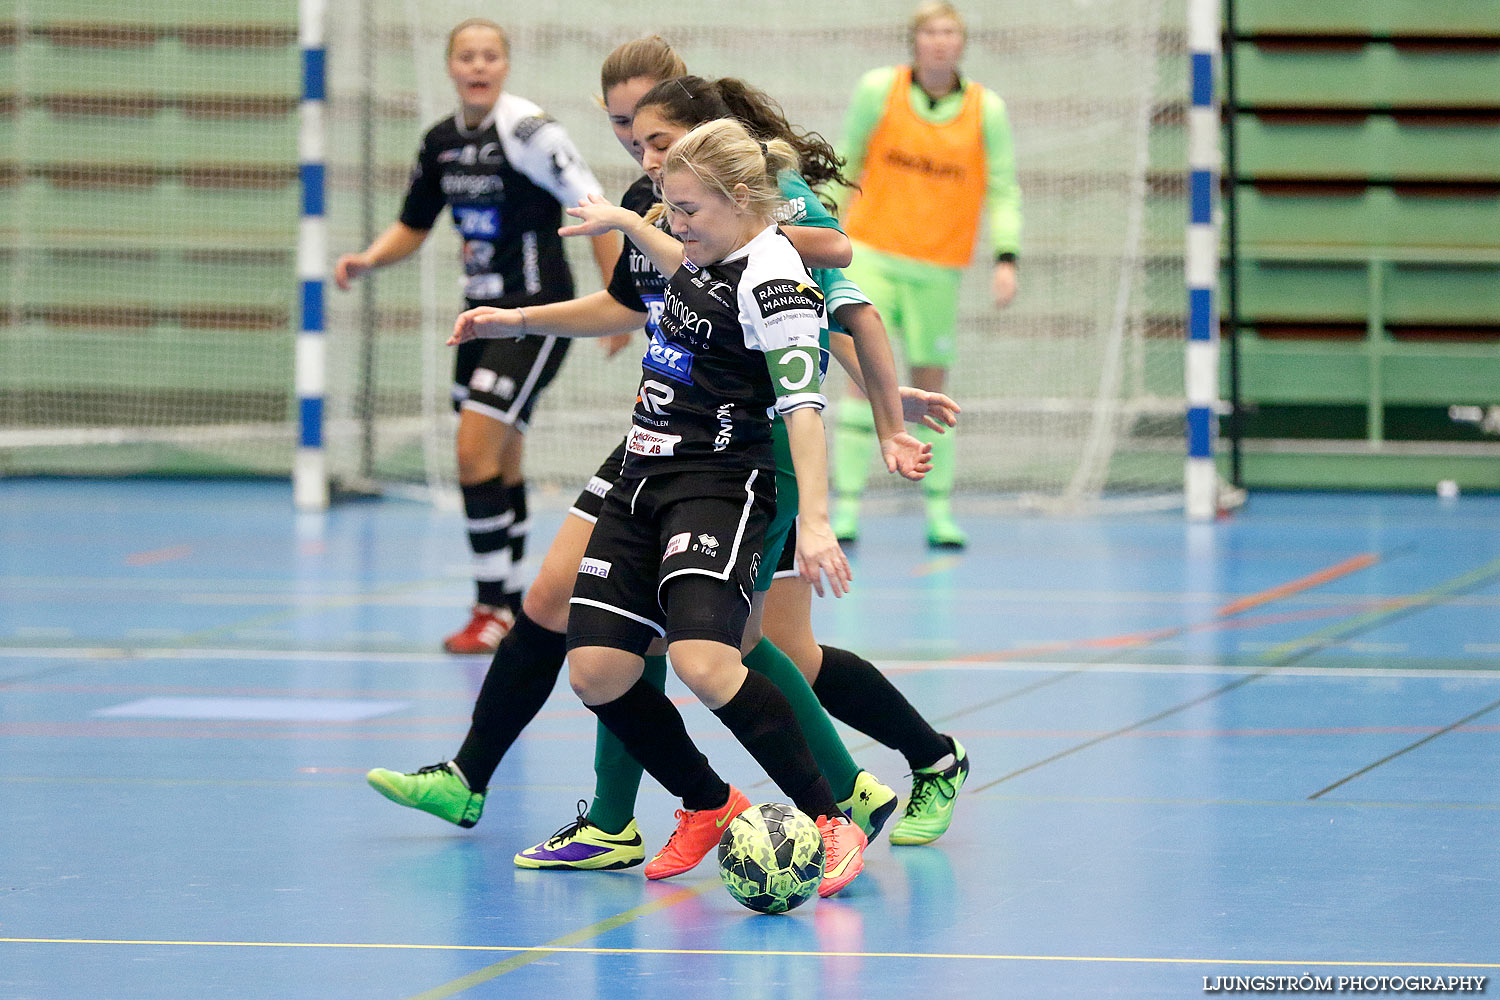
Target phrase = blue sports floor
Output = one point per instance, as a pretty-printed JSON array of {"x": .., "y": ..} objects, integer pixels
[{"x": 1268, "y": 746}]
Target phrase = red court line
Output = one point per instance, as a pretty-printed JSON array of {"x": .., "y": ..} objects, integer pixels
[
  {"x": 153, "y": 556},
  {"x": 382, "y": 728},
  {"x": 76, "y": 730},
  {"x": 1322, "y": 576},
  {"x": 1312, "y": 731},
  {"x": 1147, "y": 734},
  {"x": 1131, "y": 640},
  {"x": 1136, "y": 639},
  {"x": 456, "y": 694}
]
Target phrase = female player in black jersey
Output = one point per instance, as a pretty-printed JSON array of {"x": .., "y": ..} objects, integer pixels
[
  {"x": 677, "y": 545},
  {"x": 505, "y": 169},
  {"x": 848, "y": 687}
]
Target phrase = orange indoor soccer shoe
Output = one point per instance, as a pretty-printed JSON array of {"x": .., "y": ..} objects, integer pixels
[
  {"x": 698, "y": 832},
  {"x": 843, "y": 853}
]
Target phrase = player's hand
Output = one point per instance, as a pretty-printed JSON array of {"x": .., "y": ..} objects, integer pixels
[
  {"x": 1003, "y": 284},
  {"x": 487, "y": 322},
  {"x": 906, "y": 455},
  {"x": 818, "y": 554},
  {"x": 599, "y": 216},
  {"x": 615, "y": 343},
  {"x": 349, "y": 267},
  {"x": 930, "y": 409}
]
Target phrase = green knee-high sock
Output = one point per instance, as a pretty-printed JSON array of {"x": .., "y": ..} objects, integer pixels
[
  {"x": 827, "y": 749},
  {"x": 853, "y": 441},
  {"x": 617, "y": 776},
  {"x": 937, "y": 485}
]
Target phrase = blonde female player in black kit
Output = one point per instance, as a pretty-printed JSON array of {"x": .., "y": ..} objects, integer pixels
[
  {"x": 506, "y": 170},
  {"x": 677, "y": 545},
  {"x": 605, "y": 835}
]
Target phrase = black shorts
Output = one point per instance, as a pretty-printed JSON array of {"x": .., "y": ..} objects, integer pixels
[
  {"x": 672, "y": 555},
  {"x": 503, "y": 379},
  {"x": 591, "y": 500}
]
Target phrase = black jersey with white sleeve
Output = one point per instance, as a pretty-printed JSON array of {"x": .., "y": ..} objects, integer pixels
[
  {"x": 736, "y": 341},
  {"x": 506, "y": 182}
]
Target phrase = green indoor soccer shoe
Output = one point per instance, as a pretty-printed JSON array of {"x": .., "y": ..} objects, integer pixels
[
  {"x": 943, "y": 532},
  {"x": 870, "y": 805},
  {"x": 439, "y": 789},
  {"x": 933, "y": 794}
]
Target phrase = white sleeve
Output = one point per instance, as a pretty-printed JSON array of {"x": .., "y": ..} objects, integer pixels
[
  {"x": 539, "y": 147},
  {"x": 782, "y": 318}
]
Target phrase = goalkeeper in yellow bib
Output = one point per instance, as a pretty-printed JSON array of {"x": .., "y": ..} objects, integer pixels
[{"x": 924, "y": 144}]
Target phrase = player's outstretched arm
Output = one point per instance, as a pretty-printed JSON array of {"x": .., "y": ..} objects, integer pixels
[
  {"x": 599, "y": 216},
  {"x": 935, "y": 410},
  {"x": 930, "y": 409},
  {"x": 607, "y": 249},
  {"x": 874, "y": 370},
  {"x": 820, "y": 246},
  {"x": 397, "y": 243},
  {"x": 596, "y": 315},
  {"x": 818, "y": 552},
  {"x": 877, "y": 365}
]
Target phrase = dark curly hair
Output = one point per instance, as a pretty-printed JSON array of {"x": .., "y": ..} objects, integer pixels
[{"x": 690, "y": 101}]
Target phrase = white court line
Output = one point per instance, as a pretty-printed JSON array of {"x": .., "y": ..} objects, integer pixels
[
  {"x": 912, "y": 666},
  {"x": 1023, "y": 666},
  {"x": 244, "y": 709},
  {"x": 291, "y": 600},
  {"x": 455, "y": 574},
  {"x": 191, "y": 653},
  {"x": 228, "y": 584}
]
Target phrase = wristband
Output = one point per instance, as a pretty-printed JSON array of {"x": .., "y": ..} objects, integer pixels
[{"x": 523, "y": 318}]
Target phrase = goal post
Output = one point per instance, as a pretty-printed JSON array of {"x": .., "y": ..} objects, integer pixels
[
  {"x": 310, "y": 488},
  {"x": 1200, "y": 477}
]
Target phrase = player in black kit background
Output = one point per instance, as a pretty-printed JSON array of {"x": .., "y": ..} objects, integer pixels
[{"x": 506, "y": 170}]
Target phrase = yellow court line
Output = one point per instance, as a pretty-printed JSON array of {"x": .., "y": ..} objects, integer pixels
[
  {"x": 329, "y": 602},
  {"x": 941, "y": 564},
  {"x": 1395, "y": 606},
  {"x": 529, "y": 955},
  {"x": 776, "y": 953}
]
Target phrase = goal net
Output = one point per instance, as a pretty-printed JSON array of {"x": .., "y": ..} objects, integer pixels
[
  {"x": 152, "y": 206},
  {"x": 1072, "y": 393},
  {"x": 148, "y": 200}
]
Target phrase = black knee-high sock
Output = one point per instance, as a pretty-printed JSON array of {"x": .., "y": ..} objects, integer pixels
[
  {"x": 520, "y": 678},
  {"x": 650, "y": 727},
  {"x": 487, "y": 508},
  {"x": 518, "y": 528},
  {"x": 857, "y": 694},
  {"x": 761, "y": 719}
]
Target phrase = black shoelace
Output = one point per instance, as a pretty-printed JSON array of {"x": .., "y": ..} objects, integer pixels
[{"x": 572, "y": 829}]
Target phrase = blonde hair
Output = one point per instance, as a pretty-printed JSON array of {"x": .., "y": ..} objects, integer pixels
[
  {"x": 931, "y": 10},
  {"x": 478, "y": 22},
  {"x": 650, "y": 56},
  {"x": 723, "y": 156}
]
